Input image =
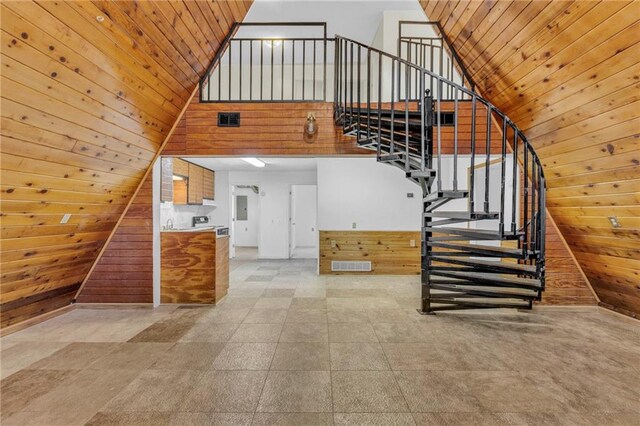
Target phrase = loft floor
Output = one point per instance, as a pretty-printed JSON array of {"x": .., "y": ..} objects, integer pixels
[{"x": 290, "y": 347}]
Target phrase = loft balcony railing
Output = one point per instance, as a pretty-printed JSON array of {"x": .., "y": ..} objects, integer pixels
[
  {"x": 299, "y": 68},
  {"x": 423, "y": 43},
  {"x": 270, "y": 68}
]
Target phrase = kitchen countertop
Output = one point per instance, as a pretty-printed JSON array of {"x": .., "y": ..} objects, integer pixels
[
  {"x": 197, "y": 229},
  {"x": 203, "y": 229}
]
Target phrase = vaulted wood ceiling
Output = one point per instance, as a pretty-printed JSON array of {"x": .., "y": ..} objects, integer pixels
[
  {"x": 567, "y": 72},
  {"x": 90, "y": 89}
]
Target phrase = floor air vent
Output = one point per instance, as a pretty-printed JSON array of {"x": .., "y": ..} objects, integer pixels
[{"x": 350, "y": 266}]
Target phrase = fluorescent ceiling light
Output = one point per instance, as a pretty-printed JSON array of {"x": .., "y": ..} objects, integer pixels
[
  {"x": 255, "y": 162},
  {"x": 175, "y": 177}
]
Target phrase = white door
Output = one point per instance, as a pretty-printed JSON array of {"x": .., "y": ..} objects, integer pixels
[{"x": 304, "y": 231}]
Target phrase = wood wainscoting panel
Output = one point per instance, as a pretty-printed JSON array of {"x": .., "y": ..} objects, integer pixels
[
  {"x": 187, "y": 267},
  {"x": 390, "y": 252},
  {"x": 567, "y": 73}
]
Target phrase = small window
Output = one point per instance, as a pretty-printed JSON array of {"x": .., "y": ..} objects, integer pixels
[{"x": 228, "y": 119}]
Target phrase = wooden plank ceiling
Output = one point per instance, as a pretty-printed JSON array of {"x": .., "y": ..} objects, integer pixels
[
  {"x": 90, "y": 89},
  {"x": 567, "y": 72}
]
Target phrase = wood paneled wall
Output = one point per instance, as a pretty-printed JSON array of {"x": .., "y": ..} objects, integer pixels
[
  {"x": 265, "y": 129},
  {"x": 85, "y": 106},
  {"x": 277, "y": 129},
  {"x": 390, "y": 252},
  {"x": 124, "y": 272},
  {"x": 567, "y": 73}
]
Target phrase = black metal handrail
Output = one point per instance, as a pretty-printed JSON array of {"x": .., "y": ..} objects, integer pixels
[
  {"x": 268, "y": 69},
  {"x": 373, "y": 87}
]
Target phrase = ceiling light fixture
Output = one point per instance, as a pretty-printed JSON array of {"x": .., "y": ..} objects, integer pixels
[
  {"x": 176, "y": 177},
  {"x": 254, "y": 162}
]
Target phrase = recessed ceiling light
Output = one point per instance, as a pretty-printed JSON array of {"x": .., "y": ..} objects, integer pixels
[
  {"x": 100, "y": 18},
  {"x": 254, "y": 162}
]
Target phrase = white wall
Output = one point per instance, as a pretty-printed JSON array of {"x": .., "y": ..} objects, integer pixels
[
  {"x": 374, "y": 195},
  {"x": 367, "y": 193},
  {"x": 181, "y": 215},
  {"x": 273, "y": 235},
  {"x": 246, "y": 231}
]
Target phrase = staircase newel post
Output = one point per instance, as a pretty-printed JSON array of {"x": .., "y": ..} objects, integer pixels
[
  {"x": 427, "y": 155},
  {"x": 425, "y": 309}
]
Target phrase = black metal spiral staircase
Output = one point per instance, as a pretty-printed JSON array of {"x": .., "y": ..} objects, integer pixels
[
  {"x": 483, "y": 242},
  {"x": 483, "y": 204}
]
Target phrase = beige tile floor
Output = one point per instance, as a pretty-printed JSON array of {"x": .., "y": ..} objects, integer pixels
[{"x": 288, "y": 347}]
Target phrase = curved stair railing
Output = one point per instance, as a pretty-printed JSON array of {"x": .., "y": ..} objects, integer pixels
[{"x": 483, "y": 230}]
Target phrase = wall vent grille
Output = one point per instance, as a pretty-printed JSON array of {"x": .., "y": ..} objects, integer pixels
[{"x": 350, "y": 266}]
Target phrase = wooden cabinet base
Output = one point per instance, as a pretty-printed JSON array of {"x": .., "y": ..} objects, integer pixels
[{"x": 193, "y": 267}]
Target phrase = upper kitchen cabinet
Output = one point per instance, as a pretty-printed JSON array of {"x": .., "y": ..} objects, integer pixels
[
  {"x": 180, "y": 167},
  {"x": 174, "y": 178},
  {"x": 195, "y": 185},
  {"x": 186, "y": 183},
  {"x": 209, "y": 179}
]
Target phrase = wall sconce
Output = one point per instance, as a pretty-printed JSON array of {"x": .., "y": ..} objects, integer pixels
[{"x": 310, "y": 128}]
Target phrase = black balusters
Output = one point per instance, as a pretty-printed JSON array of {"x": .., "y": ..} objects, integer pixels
[
  {"x": 358, "y": 100},
  {"x": 455, "y": 140},
  {"x": 439, "y": 130},
  {"x": 503, "y": 158},
  {"x": 369, "y": 94},
  {"x": 514, "y": 192},
  {"x": 423, "y": 128},
  {"x": 473, "y": 154},
  {"x": 487, "y": 186},
  {"x": 407, "y": 73},
  {"x": 393, "y": 105},
  {"x": 379, "y": 141},
  {"x": 304, "y": 66}
]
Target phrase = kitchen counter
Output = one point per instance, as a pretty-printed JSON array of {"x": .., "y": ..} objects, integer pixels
[
  {"x": 203, "y": 229},
  {"x": 194, "y": 266},
  {"x": 220, "y": 231}
]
